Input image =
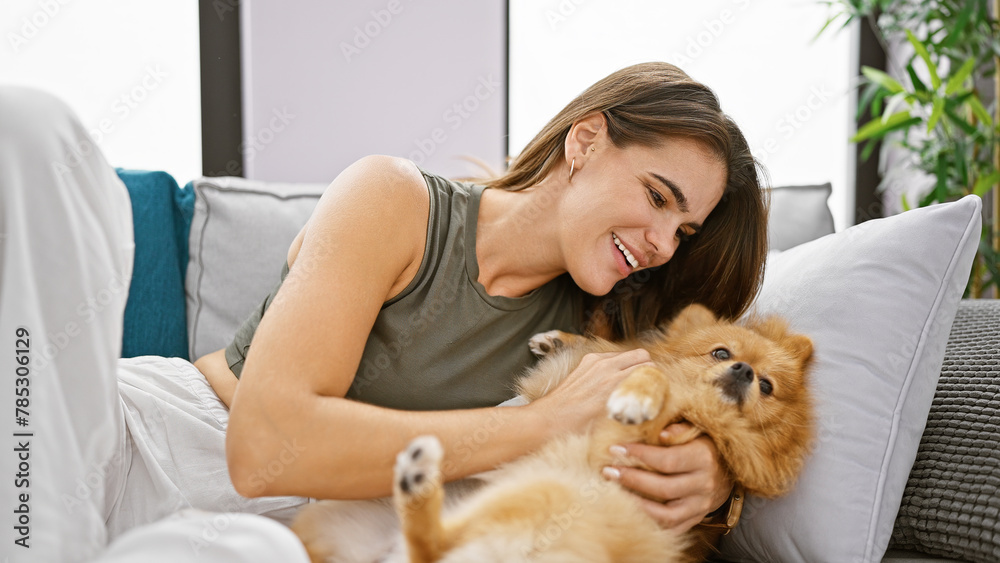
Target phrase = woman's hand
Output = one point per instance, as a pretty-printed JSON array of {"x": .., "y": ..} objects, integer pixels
[
  {"x": 689, "y": 481},
  {"x": 582, "y": 397}
]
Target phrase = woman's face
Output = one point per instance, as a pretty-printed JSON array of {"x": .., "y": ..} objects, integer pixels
[{"x": 629, "y": 209}]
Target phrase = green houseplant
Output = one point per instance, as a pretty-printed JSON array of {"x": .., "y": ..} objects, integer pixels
[{"x": 938, "y": 111}]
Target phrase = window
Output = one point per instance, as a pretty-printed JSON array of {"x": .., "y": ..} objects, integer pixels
[
  {"x": 130, "y": 70},
  {"x": 791, "y": 96}
]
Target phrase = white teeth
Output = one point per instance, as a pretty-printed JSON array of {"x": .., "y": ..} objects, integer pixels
[{"x": 628, "y": 255}]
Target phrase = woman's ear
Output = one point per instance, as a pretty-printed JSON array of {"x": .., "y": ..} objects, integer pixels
[{"x": 583, "y": 135}]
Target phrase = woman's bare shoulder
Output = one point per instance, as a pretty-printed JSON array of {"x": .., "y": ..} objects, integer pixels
[
  {"x": 373, "y": 192},
  {"x": 390, "y": 181}
]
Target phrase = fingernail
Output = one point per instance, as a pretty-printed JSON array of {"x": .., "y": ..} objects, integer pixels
[
  {"x": 618, "y": 450},
  {"x": 664, "y": 434},
  {"x": 611, "y": 473}
]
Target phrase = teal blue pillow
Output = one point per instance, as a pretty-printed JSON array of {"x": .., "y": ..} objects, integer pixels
[{"x": 155, "y": 318}]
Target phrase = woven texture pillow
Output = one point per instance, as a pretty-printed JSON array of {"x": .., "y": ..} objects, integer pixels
[{"x": 951, "y": 504}]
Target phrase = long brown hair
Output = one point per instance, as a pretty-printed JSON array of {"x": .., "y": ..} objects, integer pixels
[{"x": 722, "y": 266}]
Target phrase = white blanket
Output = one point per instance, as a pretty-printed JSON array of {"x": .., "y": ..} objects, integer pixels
[{"x": 94, "y": 445}]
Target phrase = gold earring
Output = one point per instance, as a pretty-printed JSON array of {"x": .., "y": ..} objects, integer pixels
[
  {"x": 571, "y": 166},
  {"x": 592, "y": 149}
]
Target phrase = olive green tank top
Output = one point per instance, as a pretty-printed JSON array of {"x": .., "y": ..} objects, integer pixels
[{"x": 443, "y": 342}]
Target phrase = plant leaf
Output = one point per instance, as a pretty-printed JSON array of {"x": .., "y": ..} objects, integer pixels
[
  {"x": 959, "y": 78},
  {"x": 959, "y": 25},
  {"x": 962, "y": 123},
  {"x": 985, "y": 183},
  {"x": 941, "y": 172},
  {"x": 882, "y": 79},
  {"x": 936, "y": 113},
  {"x": 827, "y": 24},
  {"x": 895, "y": 101},
  {"x": 918, "y": 84},
  {"x": 877, "y": 128},
  {"x": 867, "y": 98},
  {"x": 880, "y": 95},
  {"x": 928, "y": 199},
  {"x": 980, "y": 111},
  {"x": 922, "y": 51},
  {"x": 961, "y": 164},
  {"x": 866, "y": 152}
]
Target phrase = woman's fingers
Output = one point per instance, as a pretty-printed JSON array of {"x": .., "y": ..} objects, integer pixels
[
  {"x": 687, "y": 481},
  {"x": 582, "y": 396},
  {"x": 697, "y": 455},
  {"x": 673, "y": 515},
  {"x": 692, "y": 488}
]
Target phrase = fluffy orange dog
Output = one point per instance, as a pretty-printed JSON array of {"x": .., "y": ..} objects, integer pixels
[{"x": 744, "y": 386}]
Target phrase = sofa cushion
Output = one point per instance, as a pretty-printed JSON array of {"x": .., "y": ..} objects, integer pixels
[
  {"x": 951, "y": 504},
  {"x": 878, "y": 300},
  {"x": 239, "y": 239},
  {"x": 155, "y": 318},
  {"x": 798, "y": 214}
]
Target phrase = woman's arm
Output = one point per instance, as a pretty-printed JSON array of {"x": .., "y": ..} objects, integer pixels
[{"x": 292, "y": 432}]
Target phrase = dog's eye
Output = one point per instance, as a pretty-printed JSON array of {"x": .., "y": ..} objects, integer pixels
[
  {"x": 765, "y": 387},
  {"x": 721, "y": 354}
]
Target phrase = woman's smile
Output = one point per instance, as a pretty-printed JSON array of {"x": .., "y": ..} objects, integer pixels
[
  {"x": 632, "y": 261},
  {"x": 621, "y": 263}
]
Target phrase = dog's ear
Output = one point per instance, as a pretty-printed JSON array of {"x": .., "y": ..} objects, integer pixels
[
  {"x": 692, "y": 317},
  {"x": 800, "y": 346},
  {"x": 776, "y": 329}
]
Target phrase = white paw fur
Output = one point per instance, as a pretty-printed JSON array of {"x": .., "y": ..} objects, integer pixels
[
  {"x": 629, "y": 408},
  {"x": 418, "y": 467},
  {"x": 544, "y": 343}
]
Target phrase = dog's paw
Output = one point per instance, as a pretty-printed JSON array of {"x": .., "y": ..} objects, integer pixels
[
  {"x": 544, "y": 343},
  {"x": 629, "y": 408},
  {"x": 418, "y": 467}
]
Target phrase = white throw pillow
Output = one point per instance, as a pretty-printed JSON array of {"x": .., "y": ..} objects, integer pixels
[
  {"x": 878, "y": 300},
  {"x": 240, "y": 233}
]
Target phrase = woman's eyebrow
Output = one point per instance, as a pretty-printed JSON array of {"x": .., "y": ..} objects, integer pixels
[{"x": 682, "y": 202}]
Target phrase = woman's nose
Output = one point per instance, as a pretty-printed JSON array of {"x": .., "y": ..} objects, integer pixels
[{"x": 664, "y": 243}]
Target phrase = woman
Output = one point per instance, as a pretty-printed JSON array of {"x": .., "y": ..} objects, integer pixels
[
  {"x": 640, "y": 190},
  {"x": 607, "y": 194}
]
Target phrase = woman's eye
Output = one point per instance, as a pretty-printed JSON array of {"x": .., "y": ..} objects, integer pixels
[
  {"x": 765, "y": 387},
  {"x": 721, "y": 354},
  {"x": 658, "y": 200},
  {"x": 682, "y": 236}
]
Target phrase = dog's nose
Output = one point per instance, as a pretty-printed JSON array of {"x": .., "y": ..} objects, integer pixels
[{"x": 741, "y": 372}]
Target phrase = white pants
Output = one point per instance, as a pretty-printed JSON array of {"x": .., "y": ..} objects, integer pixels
[{"x": 99, "y": 453}]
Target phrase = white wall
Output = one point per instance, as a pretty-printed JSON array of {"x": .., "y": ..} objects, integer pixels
[
  {"x": 130, "y": 70},
  {"x": 326, "y": 83},
  {"x": 791, "y": 96}
]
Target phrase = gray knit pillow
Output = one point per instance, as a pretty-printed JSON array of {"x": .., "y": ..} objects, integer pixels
[{"x": 951, "y": 504}]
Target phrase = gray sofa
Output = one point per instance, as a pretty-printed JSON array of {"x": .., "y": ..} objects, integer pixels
[{"x": 237, "y": 232}]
